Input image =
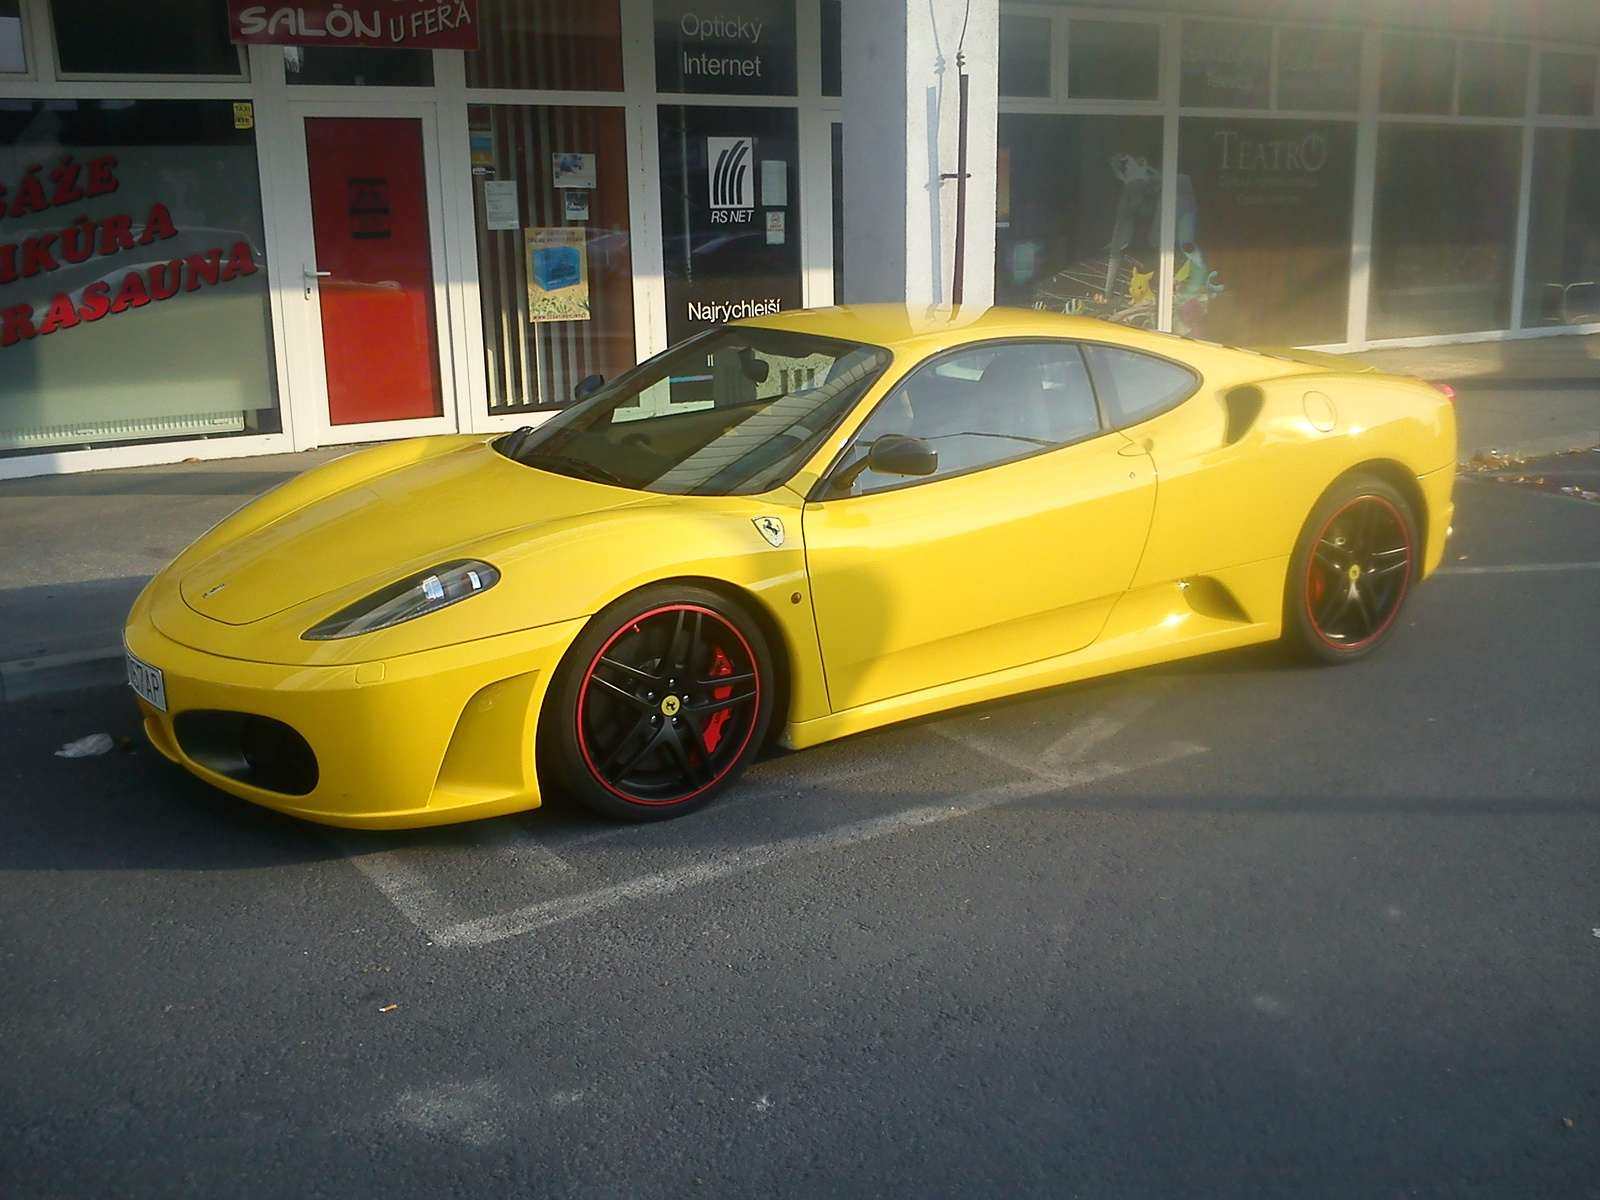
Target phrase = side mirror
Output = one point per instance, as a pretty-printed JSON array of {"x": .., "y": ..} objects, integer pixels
[
  {"x": 901, "y": 454},
  {"x": 588, "y": 386}
]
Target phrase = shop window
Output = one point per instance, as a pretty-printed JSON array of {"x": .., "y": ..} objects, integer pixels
[
  {"x": 555, "y": 256},
  {"x": 1494, "y": 79},
  {"x": 1024, "y": 56},
  {"x": 1563, "y": 281},
  {"x": 832, "y": 47},
  {"x": 1078, "y": 203},
  {"x": 113, "y": 37},
  {"x": 13, "y": 58},
  {"x": 1263, "y": 231},
  {"x": 1226, "y": 65},
  {"x": 730, "y": 214},
  {"x": 357, "y": 66},
  {"x": 1113, "y": 60},
  {"x": 1419, "y": 74},
  {"x": 1319, "y": 70},
  {"x": 133, "y": 280},
  {"x": 1443, "y": 229},
  {"x": 566, "y": 45},
  {"x": 1566, "y": 85},
  {"x": 725, "y": 52}
]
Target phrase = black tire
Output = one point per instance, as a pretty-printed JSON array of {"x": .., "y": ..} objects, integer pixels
[
  {"x": 1352, "y": 569},
  {"x": 638, "y": 725}
]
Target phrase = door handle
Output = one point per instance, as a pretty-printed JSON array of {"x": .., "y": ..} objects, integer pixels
[{"x": 311, "y": 277}]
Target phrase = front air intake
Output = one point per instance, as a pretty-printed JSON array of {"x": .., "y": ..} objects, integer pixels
[{"x": 257, "y": 751}]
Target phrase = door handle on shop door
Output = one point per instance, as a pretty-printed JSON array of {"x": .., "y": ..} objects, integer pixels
[{"x": 311, "y": 277}]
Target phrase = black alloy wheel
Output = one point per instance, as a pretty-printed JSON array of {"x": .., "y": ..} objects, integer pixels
[
  {"x": 1351, "y": 572},
  {"x": 660, "y": 704}
]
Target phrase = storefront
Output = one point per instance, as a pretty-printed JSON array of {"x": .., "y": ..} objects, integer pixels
[
  {"x": 231, "y": 229},
  {"x": 214, "y": 245},
  {"x": 1273, "y": 183}
]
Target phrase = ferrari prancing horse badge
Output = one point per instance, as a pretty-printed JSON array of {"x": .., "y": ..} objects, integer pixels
[{"x": 770, "y": 528}]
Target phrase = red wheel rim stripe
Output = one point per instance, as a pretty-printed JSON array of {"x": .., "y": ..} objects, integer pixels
[
  {"x": 583, "y": 692},
  {"x": 1405, "y": 585}
]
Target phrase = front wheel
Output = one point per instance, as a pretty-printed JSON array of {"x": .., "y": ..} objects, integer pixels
[
  {"x": 1351, "y": 571},
  {"x": 660, "y": 704}
]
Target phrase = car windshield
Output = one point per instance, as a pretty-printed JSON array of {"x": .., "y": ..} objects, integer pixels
[{"x": 734, "y": 411}]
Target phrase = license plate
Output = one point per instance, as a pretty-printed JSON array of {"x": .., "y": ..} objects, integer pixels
[{"x": 147, "y": 682}]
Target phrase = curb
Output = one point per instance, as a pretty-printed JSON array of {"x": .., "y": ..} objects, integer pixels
[
  {"x": 50, "y": 673},
  {"x": 1563, "y": 443}
]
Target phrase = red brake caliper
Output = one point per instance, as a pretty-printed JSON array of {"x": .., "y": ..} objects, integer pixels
[{"x": 713, "y": 734}]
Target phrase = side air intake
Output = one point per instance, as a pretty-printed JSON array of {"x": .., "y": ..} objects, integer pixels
[{"x": 1244, "y": 406}]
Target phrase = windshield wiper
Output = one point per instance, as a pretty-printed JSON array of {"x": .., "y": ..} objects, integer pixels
[{"x": 579, "y": 467}]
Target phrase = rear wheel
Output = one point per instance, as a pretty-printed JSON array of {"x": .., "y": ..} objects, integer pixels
[
  {"x": 659, "y": 705},
  {"x": 1351, "y": 571}
]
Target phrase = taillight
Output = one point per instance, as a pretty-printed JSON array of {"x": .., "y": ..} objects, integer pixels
[{"x": 1449, "y": 392}]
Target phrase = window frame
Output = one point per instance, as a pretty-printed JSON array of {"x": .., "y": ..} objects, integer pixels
[{"x": 821, "y": 491}]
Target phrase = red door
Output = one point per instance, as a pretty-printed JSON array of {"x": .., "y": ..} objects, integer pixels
[{"x": 369, "y": 215}]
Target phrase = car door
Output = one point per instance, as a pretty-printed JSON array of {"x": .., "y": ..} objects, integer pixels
[
  {"x": 1221, "y": 502},
  {"x": 1012, "y": 551}
]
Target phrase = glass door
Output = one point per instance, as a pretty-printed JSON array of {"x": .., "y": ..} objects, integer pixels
[{"x": 372, "y": 330}]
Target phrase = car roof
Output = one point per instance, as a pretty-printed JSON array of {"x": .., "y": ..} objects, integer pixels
[{"x": 923, "y": 329}]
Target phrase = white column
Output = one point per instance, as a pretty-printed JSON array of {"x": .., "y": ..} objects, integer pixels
[{"x": 901, "y": 105}]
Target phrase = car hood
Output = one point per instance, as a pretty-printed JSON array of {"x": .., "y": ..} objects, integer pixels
[{"x": 382, "y": 529}]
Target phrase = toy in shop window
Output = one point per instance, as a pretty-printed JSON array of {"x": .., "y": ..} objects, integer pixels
[{"x": 1119, "y": 287}]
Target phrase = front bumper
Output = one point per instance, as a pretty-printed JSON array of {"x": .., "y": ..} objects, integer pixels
[{"x": 423, "y": 739}]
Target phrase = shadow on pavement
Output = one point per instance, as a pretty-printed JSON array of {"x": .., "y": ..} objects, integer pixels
[
  {"x": 60, "y": 618},
  {"x": 128, "y": 809},
  {"x": 151, "y": 483}
]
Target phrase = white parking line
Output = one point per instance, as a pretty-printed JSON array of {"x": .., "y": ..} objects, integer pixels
[
  {"x": 1060, "y": 767},
  {"x": 722, "y": 866},
  {"x": 389, "y": 871},
  {"x": 1520, "y": 569}
]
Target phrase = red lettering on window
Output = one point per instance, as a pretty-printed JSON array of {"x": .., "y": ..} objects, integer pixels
[
  {"x": 131, "y": 294},
  {"x": 16, "y": 324},
  {"x": 96, "y": 301},
  {"x": 62, "y": 315}
]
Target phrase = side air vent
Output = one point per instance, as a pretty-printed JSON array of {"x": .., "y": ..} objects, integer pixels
[
  {"x": 1210, "y": 599},
  {"x": 1244, "y": 406}
]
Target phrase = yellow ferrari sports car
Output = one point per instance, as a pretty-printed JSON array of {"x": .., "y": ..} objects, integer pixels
[{"x": 791, "y": 528}]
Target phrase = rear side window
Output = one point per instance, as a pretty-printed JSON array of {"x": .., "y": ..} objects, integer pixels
[{"x": 1134, "y": 386}]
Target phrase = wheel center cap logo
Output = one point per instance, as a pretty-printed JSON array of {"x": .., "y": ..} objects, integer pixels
[
  {"x": 1355, "y": 572},
  {"x": 671, "y": 705}
]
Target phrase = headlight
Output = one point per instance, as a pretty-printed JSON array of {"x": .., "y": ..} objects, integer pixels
[{"x": 408, "y": 599}]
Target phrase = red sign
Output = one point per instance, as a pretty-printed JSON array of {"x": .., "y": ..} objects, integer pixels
[{"x": 374, "y": 24}]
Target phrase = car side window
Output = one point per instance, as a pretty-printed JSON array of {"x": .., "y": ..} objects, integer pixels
[
  {"x": 979, "y": 408},
  {"x": 1135, "y": 386}
]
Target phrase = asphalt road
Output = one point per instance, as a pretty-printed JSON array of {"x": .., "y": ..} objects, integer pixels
[{"x": 1228, "y": 928}]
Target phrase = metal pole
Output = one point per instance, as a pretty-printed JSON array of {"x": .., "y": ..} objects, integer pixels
[{"x": 956, "y": 284}]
